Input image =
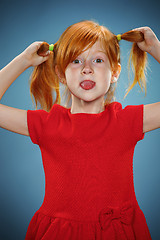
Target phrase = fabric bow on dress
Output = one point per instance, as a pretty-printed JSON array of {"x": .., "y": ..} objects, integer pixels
[{"x": 119, "y": 217}]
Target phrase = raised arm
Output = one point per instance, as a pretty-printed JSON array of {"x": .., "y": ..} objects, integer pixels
[
  {"x": 151, "y": 44},
  {"x": 14, "y": 119}
]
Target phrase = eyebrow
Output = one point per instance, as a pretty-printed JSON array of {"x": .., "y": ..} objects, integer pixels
[
  {"x": 96, "y": 52},
  {"x": 100, "y": 52}
]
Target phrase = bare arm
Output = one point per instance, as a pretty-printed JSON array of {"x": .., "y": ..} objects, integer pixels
[
  {"x": 151, "y": 119},
  {"x": 14, "y": 119},
  {"x": 10, "y": 73},
  {"x": 151, "y": 44}
]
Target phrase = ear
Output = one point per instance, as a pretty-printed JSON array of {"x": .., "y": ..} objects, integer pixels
[
  {"x": 60, "y": 75},
  {"x": 116, "y": 73}
]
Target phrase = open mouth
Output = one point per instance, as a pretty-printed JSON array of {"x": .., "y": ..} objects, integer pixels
[{"x": 87, "y": 84}]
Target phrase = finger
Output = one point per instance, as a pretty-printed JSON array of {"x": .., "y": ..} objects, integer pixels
[
  {"x": 141, "y": 29},
  {"x": 44, "y": 58},
  {"x": 38, "y": 44}
]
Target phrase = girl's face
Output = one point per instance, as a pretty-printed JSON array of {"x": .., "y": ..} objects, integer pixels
[{"x": 93, "y": 65}]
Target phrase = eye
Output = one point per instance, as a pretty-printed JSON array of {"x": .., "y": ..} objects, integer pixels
[
  {"x": 76, "y": 61},
  {"x": 99, "y": 60}
]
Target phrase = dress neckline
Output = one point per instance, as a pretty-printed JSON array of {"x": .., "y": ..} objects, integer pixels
[{"x": 87, "y": 114}]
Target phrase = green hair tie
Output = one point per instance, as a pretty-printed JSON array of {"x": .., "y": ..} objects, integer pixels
[
  {"x": 119, "y": 37},
  {"x": 51, "y": 47}
]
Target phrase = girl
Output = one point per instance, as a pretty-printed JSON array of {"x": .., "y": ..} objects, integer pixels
[{"x": 87, "y": 150}]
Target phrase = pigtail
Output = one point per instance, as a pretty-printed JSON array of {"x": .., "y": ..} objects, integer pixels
[
  {"x": 137, "y": 59},
  {"x": 44, "y": 80}
]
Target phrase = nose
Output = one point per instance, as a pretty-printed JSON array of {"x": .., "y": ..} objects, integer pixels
[{"x": 87, "y": 69}]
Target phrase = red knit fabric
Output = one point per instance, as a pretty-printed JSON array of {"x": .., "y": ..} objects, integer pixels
[{"x": 88, "y": 165}]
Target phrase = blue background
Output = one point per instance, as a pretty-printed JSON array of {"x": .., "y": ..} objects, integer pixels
[{"x": 21, "y": 172}]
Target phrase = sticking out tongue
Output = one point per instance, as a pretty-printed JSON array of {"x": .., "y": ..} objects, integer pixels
[{"x": 87, "y": 84}]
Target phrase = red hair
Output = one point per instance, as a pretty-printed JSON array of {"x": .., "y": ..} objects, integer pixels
[{"x": 73, "y": 41}]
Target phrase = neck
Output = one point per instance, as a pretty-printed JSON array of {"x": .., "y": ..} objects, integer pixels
[{"x": 92, "y": 107}]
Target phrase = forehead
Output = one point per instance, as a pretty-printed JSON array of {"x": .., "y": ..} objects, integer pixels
[{"x": 97, "y": 47}]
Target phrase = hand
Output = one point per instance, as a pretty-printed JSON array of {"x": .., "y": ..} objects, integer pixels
[
  {"x": 31, "y": 55},
  {"x": 151, "y": 43}
]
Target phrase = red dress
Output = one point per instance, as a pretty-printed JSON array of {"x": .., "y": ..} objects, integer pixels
[{"x": 88, "y": 165}]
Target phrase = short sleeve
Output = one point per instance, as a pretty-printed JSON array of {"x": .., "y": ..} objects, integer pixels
[
  {"x": 131, "y": 119},
  {"x": 36, "y": 120}
]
